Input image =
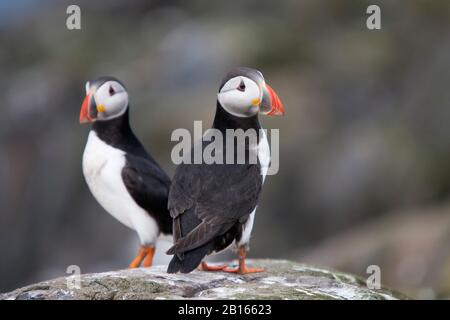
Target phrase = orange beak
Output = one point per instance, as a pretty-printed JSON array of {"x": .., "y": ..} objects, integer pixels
[
  {"x": 276, "y": 106},
  {"x": 84, "y": 113}
]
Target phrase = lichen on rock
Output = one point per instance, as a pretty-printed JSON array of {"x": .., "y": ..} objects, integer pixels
[{"x": 282, "y": 280}]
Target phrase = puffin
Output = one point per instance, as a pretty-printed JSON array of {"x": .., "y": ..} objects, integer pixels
[
  {"x": 213, "y": 205},
  {"x": 121, "y": 175}
]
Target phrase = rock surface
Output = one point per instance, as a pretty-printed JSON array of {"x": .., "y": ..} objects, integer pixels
[
  {"x": 411, "y": 247},
  {"x": 282, "y": 280}
]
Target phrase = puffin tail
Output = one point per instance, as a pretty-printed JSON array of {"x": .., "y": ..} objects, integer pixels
[{"x": 191, "y": 259}]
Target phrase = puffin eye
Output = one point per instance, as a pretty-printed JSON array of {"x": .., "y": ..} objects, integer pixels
[
  {"x": 111, "y": 91},
  {"x": 241, "y": 86}
]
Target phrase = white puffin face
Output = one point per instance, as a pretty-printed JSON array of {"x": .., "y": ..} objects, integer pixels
[
  {"x": 240, "y": 96},
  {"x": 111, "y": 99}
]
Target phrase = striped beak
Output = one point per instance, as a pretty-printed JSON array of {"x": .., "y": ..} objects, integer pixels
[{"x": 271, "y": 104}]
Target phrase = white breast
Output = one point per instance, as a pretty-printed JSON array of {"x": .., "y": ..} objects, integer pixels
[
  {"x": 102, "y": 168},
  {"x": 264, "y": 160},
  {"x": 264, "y": 154}
]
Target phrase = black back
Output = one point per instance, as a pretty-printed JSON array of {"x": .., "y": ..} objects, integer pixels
[{"x": 210, "y": 203}]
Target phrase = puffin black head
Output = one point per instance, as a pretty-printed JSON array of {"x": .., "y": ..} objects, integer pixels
[
  {"x": 244, "y": 93},
  {"x": 106, "y": 99}
]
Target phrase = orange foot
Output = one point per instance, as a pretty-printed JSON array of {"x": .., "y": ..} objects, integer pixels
[
  {"x": 146, "y": 252},
  {"x": 148, "y": 262},
  {"x": 205, "y": 267},
  {"x": 242, "y": 268}
]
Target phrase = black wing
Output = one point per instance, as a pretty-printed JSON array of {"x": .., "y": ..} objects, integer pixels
[
  {"x": 149, "y": 186},
  {"x": 216, "y": 196}
]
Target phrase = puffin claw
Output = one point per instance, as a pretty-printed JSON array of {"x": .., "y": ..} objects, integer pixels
[
  {"x": 205, "y": 267},
  {"x": 244, "y": 270}
]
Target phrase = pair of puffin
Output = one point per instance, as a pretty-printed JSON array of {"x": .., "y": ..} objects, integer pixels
[{"x": 207, "y": 207}]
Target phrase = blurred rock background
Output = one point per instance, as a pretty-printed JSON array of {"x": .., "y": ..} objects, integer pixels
[{"x": 364, "y": 147}]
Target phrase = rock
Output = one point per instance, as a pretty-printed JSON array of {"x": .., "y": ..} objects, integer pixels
[
  {"x": 282, "y": 280},
  {"x": 410, "y": 247}
]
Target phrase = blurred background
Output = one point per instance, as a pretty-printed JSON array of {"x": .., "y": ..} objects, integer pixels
[{"x": 364, "y": 147}]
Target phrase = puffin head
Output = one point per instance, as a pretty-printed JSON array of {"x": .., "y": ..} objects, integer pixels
[
  {"x": 106, "y": 99},
  {"x": 244, "y": 93}
]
